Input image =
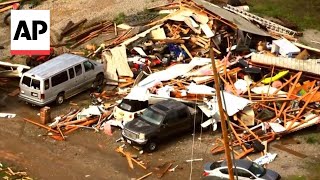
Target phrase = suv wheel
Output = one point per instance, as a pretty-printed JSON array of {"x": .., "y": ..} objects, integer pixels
[
  {"x": 99, "y": 80},
  {"x": 151, "y": 146},
  {"x": 60, "y": 98}
]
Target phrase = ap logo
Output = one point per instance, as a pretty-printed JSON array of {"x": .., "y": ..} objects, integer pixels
[{"x": 30, "y": 32}]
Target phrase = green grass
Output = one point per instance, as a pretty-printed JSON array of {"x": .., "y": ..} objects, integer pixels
[
  {"x": 304, "y": 13},
  {"x": 312, "y": 138},
  {"x": 119, "y": 19}
]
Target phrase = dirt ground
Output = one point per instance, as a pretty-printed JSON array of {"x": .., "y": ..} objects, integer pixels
[{"x": 90, "y": 155}]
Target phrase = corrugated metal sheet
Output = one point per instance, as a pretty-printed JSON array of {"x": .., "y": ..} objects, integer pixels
[{"x": 241, "y": 23}]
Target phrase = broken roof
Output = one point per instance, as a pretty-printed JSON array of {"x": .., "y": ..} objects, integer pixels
[{"x": 239, "y": 21}]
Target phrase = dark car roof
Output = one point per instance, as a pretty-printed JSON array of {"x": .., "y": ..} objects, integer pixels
[
  {"x": 239, "y": 163},
  {"x": 167, "y": 105}
]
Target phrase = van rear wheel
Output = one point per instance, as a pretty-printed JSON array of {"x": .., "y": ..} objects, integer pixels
[{"x": 60, "y": 98}]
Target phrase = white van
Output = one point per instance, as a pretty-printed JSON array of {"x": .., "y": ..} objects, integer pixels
[{"x": 60, "y": 78}]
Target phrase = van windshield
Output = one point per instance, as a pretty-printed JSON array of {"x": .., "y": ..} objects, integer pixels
[{"x": 30, "y": 82}]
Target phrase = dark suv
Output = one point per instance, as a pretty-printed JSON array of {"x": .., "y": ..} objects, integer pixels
[{"x": 161, "y": 120}]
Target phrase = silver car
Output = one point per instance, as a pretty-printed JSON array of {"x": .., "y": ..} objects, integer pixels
[
  {"x": 60, "y": 78},
  {"x": 245, "y": 169}
]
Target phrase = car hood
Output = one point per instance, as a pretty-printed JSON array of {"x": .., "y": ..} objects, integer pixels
[
  {"x": 138, "y": 125},
  {"x": 270, "y": 175}
]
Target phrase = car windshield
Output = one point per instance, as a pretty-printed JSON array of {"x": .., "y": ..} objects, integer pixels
[
  {"x": 152, "y": 116},
  {"x": 257, "y": 170}
]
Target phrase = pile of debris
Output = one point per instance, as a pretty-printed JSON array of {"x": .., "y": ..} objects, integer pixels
[
  {"x": 8, "y": 173},
  {"x": 8, "y": 5},
  {"x": 269, "y": 89},
  {"x": 270, "y": 83},
  {"x": 92, "y": 117}
]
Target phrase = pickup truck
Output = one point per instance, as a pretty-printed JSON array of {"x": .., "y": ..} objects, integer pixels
[{"x": 162, "y": 120}]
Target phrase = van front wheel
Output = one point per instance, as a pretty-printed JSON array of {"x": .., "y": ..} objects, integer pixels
[
  {"x": 99, "y": 80},
  {"x": 60, "y": 98}
]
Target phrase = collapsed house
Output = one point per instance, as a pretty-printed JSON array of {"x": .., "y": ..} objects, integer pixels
[{"x": 270, "y": 83}]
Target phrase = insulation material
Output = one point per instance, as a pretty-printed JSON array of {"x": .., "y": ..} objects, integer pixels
[
  {"x": 192, "y": 25},
  {"x": 110, "y": 68},
  {"x": 119, "y": 56},
  {"x": 267, "y": 90},
  {"x": 206, "y": 29},
  {"x": 165, "y": 75},
  {"x": 247, "y": 116},
  {"x": 200, "y": 17},
  {"x": 116, "y": 63},
  {"x": 158, "y": 34},
  {"x": 181, "y": 15},
  {"x": 277, "y": 128},
  {"x": 200, "y": 89}
]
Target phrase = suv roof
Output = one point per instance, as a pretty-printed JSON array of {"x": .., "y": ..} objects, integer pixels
[{"x": 49, "y": 68}]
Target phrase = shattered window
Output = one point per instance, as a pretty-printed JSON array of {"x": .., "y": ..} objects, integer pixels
[
  {"x": 26, "y": 81},
  {"x": 78, "y": 69},
  {"x": 35, "y": 84}
]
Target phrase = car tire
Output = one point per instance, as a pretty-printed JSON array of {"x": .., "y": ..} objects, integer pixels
[
  {"x": 151, "y": 146},
  {"x": 98, "y": 82},
  {"x": 60, "y": 98}
]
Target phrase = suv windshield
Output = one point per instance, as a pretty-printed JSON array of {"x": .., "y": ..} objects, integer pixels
[
  {"x": 257, "y": 169},
  {"x": 152, "y": 116}
]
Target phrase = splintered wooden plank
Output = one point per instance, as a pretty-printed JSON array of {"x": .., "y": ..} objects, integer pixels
[
  {"x": 14, "y": 92},
  {"x": 164, "y": 168},
  {"x": 283, "y": 148},
  {"x": 145, "y": 176}
]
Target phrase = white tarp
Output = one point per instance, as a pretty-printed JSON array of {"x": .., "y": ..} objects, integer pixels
[
  {"x": 233, "y": 103},
  {"x": 200, "y": 89},
  {"x": 284, "y": 47},
  {"x": 165, "y": 75},
  {"x": 138, "y": 93}
]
